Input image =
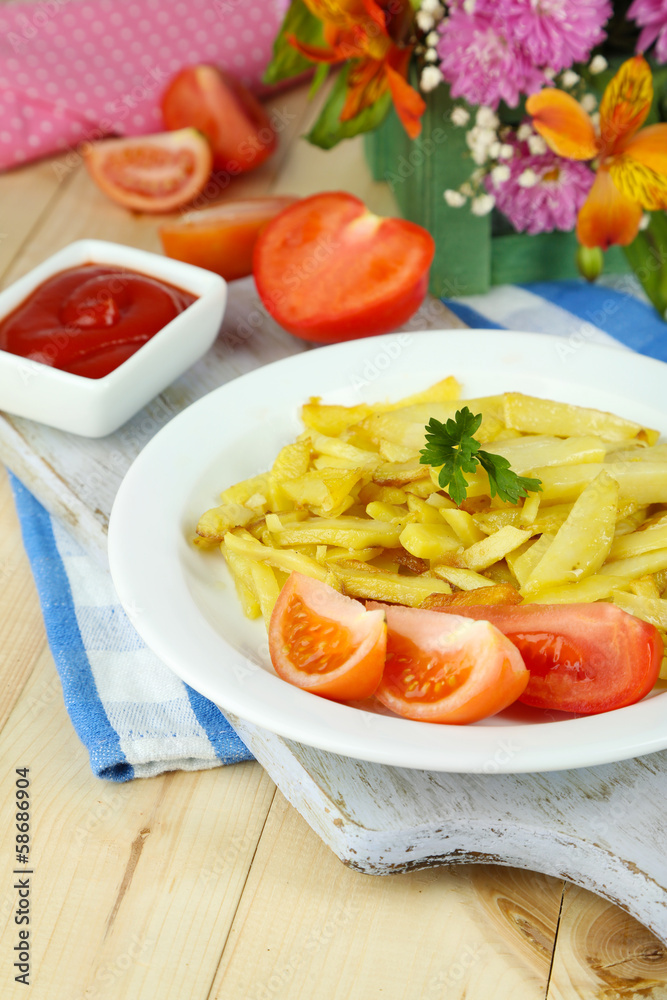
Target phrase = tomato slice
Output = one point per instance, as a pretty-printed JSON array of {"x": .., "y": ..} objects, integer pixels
[
  {"x": 327, "y": 269},
  {"x": 222, "y": 238},
  {"x": 236, "y": 125},
  {"x": 459, "y": 673},
  {"x": 583, "y": 658},
  {"x": 326, "y": 643},
  {"x": 151, "y": 173}
]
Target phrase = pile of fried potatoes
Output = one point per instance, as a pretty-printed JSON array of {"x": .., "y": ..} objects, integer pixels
[{"x": 349, "y": 503}]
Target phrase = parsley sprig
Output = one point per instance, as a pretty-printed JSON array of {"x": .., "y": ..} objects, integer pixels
[{"x": 452, "y": 446}]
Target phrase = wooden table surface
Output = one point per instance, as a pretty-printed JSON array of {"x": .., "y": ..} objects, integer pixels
[{"x": 209, "y": 885}]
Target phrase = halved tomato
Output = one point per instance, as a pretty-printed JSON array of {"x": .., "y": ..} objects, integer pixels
[
  {"x": 459, "y": 673},
  {"x": 327, "y": 269},
  {"x": 326, "y": 643},
  {"x": 222, "y": 238},
  {"x": 151, "y": 173},
  {"x": 236, "y": 125},
  {"x": 583, "y": 658}
]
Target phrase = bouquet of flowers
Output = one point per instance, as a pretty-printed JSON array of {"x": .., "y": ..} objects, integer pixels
[{"x": 561, "y": 102}]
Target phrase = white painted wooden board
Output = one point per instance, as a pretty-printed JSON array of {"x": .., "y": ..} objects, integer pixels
[{"x": 600, "y": 828}]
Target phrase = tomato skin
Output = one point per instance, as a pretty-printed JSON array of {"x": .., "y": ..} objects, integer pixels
[
  {"x": 478, "y": 672},
  {"x": 326, "y": 643},
  {"x": 236, "y": 125},
  {"x": 151, "y": 173},
  {"x": 611, "y": 659},
  {"x": 329, "y": 270},
  {"x": 222, "y": 239}
]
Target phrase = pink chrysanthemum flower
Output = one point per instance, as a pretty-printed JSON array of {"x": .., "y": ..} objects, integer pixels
[
  {"x": 555, "y": 33},
  {"x": 651, "y": 16},
  {"x": 481, "y": 64},
  {"x": 557, "y": 188}
]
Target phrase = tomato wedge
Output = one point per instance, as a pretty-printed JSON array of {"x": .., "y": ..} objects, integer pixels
[
  {"x": 151, "y": 173},
  {"x": 236, "y": 125},
  {"x": 326, "y": 643},
  {"x": 461, "y": 673},
  {"x": 327, "y": 269},
  {"x": 222, "y": 238},
  {"x": 583, "y": 658}
]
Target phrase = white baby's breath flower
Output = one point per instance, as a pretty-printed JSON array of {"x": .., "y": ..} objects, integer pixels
[
  {"x": 645, "y": 221},
  {"x": 598, "y": 64},
  {"x": 589, "y": 102},
  {"x": 469, "y": 6},
  {"x": 478, "y": 136},
  {"x": 460, "y": 116},
  {"x": 595, "y": 118},
  {"x": 501, "y": 173},
  {"x": 466, "y": 189},
  {"x": 430, "y": 56},
  {"x": 424, "y": 20},
  {"x": 430, "y": 78},
  {"x": 528, "y": 178},
  {"x": 549, "y": 73},
  {"x": 570, "y": 78},
  {"x": 506, "y": 151},
  {"x": 524, "y": 131},
  {"x": 432, "y": 39},
  {"x": 433, "y": 7},
  {"x": 454, "y": 198},
  {"x": 482, "y": 204},
  {"x": 494, "y": 150},
  {"x": 536, "y": 145},
  {"x": 487, "y": 118}
]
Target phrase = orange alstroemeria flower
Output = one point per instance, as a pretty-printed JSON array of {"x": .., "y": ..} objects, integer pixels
[
  {"x": 366, "y": 31},
  {"x": 631, "y": 164}
]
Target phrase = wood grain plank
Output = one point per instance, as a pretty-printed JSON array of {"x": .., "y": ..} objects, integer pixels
[
  {"x": 26, "y": 195},
  {"x": 22, "y": 637},
  {"x": 135, "y": 885},
  {"x": 310, "y": 929},
  {"x": 602, "y": 953}
]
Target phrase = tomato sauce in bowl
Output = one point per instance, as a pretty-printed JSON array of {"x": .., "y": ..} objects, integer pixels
[{"x": 89, "y": 319}]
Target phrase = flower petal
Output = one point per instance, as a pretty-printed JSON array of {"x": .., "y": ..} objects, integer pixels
[
  {"x": 339, "y": 12},
  {"x": 625, "y": 104},
  {"x": 409, "y": 104},
  {"x": 649, "y": 147},
  {"x": 563, "y": 124},
  {"x": 640, "y": 170},
  {"x": 316, "y": 53},
  {"x": 366, "y": 83},
  {"x": 607, "y": 216}
]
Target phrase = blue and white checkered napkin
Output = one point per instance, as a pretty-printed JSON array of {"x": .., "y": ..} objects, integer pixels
[{"x": 135, "y": 717}]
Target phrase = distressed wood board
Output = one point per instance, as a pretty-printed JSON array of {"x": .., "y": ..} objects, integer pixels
[{"x": 601, "y": 828}]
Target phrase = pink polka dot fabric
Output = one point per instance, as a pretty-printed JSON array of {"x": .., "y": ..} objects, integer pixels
[{"x": 73, "y": 71}]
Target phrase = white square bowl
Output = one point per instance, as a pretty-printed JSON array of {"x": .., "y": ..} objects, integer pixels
[{"x": 96, "y": 407}]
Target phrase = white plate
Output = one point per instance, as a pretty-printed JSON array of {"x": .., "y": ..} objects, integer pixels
[{"x": 184, "y": 606}]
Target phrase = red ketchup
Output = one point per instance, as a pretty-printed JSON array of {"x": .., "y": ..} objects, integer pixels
[{"x": 88, "y": 320}]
